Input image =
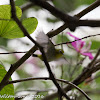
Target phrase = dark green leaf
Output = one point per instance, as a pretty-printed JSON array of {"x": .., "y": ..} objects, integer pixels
[
  {"x": 20, "y": 2},
  {"x": 64, "y": 5},
  {"x": 3, "y": 41}
]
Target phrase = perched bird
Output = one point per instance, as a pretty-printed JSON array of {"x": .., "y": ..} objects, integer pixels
[{"x": 51, "y": 52}]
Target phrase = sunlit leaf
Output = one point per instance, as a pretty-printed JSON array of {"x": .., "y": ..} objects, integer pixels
[
  {"x": 7, "y": 91},
  {"x": 12, "y": 30},
  {"x": 9, "y": 28},
  {"x": 5, "y": 13}
]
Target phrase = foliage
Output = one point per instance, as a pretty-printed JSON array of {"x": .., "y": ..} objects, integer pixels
[
  {"x": 74, "y": 59},
  {"x": 9, "y": 27},
  {"x": 8, "y": 91}
]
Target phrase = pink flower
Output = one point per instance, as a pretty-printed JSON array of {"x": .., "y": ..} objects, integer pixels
[{"x": 81, "y": 47}]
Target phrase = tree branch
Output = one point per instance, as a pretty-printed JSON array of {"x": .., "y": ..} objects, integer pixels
[
  {"x": 46, "y": 78},
  {"x": 87, "y": 72},
  {"x": 72, "y": 22},
  {"x": 79, "y": 15},
  {"x": 6, "y": 78}
]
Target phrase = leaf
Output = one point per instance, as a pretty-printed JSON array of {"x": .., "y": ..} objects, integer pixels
[
  {"x": 95, "y": 45},
  {"x": 9, "y": 28},
  {"x": 61, "y": 38},
  {"x": 7, "y": 91},
  {"x": 84, "y": 2},
  {"x": 12, "y": 30},
  {"x": 20, "y": 2},
  {"x": 64, "y": 5},
  {"x": 3, "y": 41},
  {"x": 5, "y": 12}
]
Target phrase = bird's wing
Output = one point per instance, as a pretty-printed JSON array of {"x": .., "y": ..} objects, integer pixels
[{"x": 45, "y": 42}]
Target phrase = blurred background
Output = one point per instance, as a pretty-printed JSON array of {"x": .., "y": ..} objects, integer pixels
[{"x": 67, "y": 70}]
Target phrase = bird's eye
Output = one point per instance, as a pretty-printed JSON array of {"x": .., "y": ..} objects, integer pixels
[{"x": 61, "y": 51}]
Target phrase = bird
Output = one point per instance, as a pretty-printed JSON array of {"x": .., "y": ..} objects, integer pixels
[{"x": 51, "y": 52}]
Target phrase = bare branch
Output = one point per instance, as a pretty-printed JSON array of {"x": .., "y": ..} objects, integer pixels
[
  {"x": 77, "y": 39},
  {"x": 46, "y": 78},
  {"x": 6, "y": 78}
]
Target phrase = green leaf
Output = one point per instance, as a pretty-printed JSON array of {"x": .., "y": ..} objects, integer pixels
[
  {"x": 7, "y": 91},
  {"x": 3, "y": 41},
  {"x": 20, "y": 2},
  {"x": 61, "y": 38},
  {"x": 64, "y": 5},
  {"x": 95, "y": 45},
  {"x": 84, "y": 2},
  {"x": 5, "y": 13},
  {"x": 9, "y": 28},
  {"x": 12, "y": 30}
]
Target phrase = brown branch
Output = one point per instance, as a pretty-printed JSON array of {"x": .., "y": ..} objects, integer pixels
[
  {"x": 25, "y": 7},
  {"x": 79, "y": 15},
  {"x": 46, "y": 78},
  {"x": 72, "y": 22},
  {"x": 6, "y": 78},
  {"x": 25, "y": 57},
  {"x": 87, "y": 72},
  {"x": 88, "y": 9}
]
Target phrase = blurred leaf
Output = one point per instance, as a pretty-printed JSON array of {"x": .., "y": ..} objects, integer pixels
[
  {"x": 97, "y": 80},
  {"x": 94, "y": 97},
  {"x": 61, "y": 38},
  {"x": 95, "y": 45},
  {"x": 64, "y": 5},
  {"x": 12, "y": 30},
  {"x": 7, "y": 90},
  {"x": 24, "y": 85},
  {"x": 3, "y": 41},
  {"x": 83, "y": 2},
  {"x": 20, "y": 2},
  {"x": 70, "y": 5},
  {"x": 52, "y": 20}
]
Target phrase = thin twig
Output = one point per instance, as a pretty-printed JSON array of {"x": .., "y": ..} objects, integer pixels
[
  {"x": 87, "y": 72},
  {"x": 77, "y": 39},
  {"x": 13, "y": 52},
  {"x": 13, "y": 12},
  {"x": 46, "y": 78}
]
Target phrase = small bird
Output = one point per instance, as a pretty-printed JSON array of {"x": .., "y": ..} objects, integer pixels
[{"x": 51, "y": 52}]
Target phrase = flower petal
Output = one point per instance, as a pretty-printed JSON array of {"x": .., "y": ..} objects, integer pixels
[
  {"x": 89, "y": 54},
  {"x": 72, "y": 36}
]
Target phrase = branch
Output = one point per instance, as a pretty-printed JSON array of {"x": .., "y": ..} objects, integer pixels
[
  {"x": 6, "y": 78},
  {"x": 88, "y": 9},
  {"x": 79, "y": 15},
  {"x": 77, "y": 39},
  {"x": 46, "y": 78},
  {"x": 72, "y": 22},
  {"x": 25, "y": 7},
  {"x": 13, "y": 52},
  {"x": 87, "y": 72}
]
